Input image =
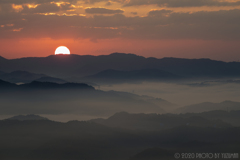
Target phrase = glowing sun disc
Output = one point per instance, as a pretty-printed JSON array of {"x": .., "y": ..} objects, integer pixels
[{"x": 62, "y": 50}]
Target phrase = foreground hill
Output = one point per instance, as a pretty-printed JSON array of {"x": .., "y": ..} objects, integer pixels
[
  {"x": 45, "y": 139},
  {"x": 6, "y": 85},
  {"x": 155, "y": 154},
  {"x": 80, "y": 66}
]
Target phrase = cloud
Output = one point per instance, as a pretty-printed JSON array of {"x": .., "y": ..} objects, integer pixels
[
  {"x": 108, "y": 4},
  {"x": 126, "y": 3},
  {"x": 134, "y": 13},
  {"x": 33, "y": 1},
  {"x": 94, "y": 1},
  {"x": 47, "y": 8},
  {"x": 159, "y": 12},
  {"x": 103, "y": 11},
  {"x": 182, "y": 3},
  {"x": 43, "y": 8},
  {"x": 158, "y": 24}
]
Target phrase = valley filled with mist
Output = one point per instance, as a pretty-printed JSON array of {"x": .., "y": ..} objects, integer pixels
[{"x": 117, "y": 107}]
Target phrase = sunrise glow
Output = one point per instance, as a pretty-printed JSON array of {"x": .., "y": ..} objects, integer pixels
[{"x": 62, "y": 50}]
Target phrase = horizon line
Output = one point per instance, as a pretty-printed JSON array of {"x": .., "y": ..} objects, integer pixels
[{"x": 118, "y": 53}]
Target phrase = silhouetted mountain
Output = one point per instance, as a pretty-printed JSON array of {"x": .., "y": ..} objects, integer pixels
[
  {"x": 165, "y": 105},
  {"x": 6, "y": 85},
  {"x": 2, "y": 59},
  {"x": 27, "y": 117},
  {"x": 50, "y": 85},
  {"x": 74, "y": 98},
  {"x": 114, "y": 76},
  {"x": 79, "y": 66},
  {"x": 157, "y": 122},
  {"x": 208, "y": 106},
  {"x": 44, "y": 139},
  {"x": 160, "y": 102},
  {"x": 214, "y": 82},
  {"x": 27, "y": 77},
  {"x": 50, "y": 79},
  {"x": 35, "y": 85},
  {"x": 20, "y": 76},
  {"x": 232, "y": 117}
]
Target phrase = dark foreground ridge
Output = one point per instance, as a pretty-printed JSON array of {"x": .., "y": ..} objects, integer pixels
[
  {"x": 4, "y": 84},
  {"x": 46, "y": 139}
]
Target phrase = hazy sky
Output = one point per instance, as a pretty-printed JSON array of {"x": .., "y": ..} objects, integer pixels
[{"x": 159, "y": 28}]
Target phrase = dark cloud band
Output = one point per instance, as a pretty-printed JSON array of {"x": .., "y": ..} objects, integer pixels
[{"x": 103, "y": 11}]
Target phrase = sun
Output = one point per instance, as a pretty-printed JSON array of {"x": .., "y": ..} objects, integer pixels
[{"x": 62, "y": 50}]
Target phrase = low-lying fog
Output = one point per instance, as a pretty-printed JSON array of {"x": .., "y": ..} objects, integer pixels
[
  {"x": 182, "y": 94},
  {"x": 67, "y": 105}
]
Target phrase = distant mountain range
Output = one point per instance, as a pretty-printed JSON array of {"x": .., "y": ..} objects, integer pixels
[
  {"x": 27, "y": 117},
  {"x": 115, "y": 76},
  {"x": 27, "y": 77},
  {"x": 50, "y": 85},
  {"x": 6, "y": 85},
  {"x": 153, "y": 122},
  {"x": 43, "y": 85},
  {"x": 214, "y": 82},
  {"x": 79, "y": 66},
  {"x": 50, "y": 79},
  {"x": 73, "y": 98},
  {"x": 208, "y": 106}
]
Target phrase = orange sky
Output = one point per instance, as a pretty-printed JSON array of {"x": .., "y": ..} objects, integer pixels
[
  {"x": 184, "y": 29},
  {"x": 152, "y": 48}
]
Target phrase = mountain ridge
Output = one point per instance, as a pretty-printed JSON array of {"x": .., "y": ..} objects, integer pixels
[
  {"x": 27, "y": 117},
  {"x": 120, "y": 54},
  {"x": 209, "y": 106},
  {"x": 117, "y": 76},
  {"x": 86, "y": 65},
  {"x": 44, "y": 85},
  {"x": 20, "y": 76},
  {"x": 153, "y": 122}
]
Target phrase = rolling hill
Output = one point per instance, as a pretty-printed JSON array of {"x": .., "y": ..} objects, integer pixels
[{"x": 44, "y": 139}]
